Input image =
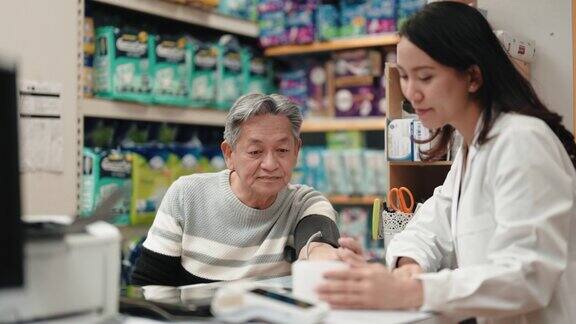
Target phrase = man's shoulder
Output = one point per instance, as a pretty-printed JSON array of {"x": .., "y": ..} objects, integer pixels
[
  {"x": 304, "y": 192},
  {"x": 197, "y": 180}
]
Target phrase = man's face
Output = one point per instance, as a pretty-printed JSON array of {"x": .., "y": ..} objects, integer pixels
[{"x": 264, "y": 156}]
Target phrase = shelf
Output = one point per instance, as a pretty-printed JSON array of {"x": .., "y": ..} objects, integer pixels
[
  {"x": 343, "y": 124},
  {"x": 420, "y": 163},
  {"x": 352, "y": 200},
  {"x": 188, "y": 14},
  {"x": 338, "y": 44},
  {"x": 133, "y": 111}
]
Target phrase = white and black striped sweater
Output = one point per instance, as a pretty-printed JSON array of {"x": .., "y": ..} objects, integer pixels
[{"x": 203, "y": 232}]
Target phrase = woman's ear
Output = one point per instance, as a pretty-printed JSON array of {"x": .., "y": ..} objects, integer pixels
[
  {"x": 475, "y": 78},
  {"x": 227, "y": 151}
]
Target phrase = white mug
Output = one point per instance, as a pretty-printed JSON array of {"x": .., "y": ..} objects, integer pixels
[{"x": 308, "y": 275}]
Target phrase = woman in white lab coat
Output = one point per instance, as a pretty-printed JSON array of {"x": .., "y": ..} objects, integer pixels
[{"x": 497, "y": 241}]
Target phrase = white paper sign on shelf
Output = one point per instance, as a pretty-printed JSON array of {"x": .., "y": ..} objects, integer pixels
[{"x": 41, "y": 128}]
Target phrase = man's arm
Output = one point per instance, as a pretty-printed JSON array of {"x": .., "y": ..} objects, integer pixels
[
  {"x": 157, "y": 269},
  {"x": 324, "y": 246}
]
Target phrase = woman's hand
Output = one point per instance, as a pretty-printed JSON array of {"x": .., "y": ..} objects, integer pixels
[
  {"x": 371, "y": 286},
  {"x": 407, "y": 270}
]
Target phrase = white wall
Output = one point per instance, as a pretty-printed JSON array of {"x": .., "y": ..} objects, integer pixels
[{"x": 548, "y": 22}]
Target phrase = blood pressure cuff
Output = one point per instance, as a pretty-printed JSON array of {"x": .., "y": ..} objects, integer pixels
[{"x": 312, "y": 224}]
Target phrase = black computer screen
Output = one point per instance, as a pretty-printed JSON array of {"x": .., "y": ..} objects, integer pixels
[{"x": 11, "y": 232}]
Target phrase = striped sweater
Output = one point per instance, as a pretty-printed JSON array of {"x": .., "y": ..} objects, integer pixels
[{"x": 203, "y": 225}]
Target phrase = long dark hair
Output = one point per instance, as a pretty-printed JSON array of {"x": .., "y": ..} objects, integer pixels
[{"x": 458, "y": 36}]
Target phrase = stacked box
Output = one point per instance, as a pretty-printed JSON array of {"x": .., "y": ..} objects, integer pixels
[{"x": 122, "y": 64}]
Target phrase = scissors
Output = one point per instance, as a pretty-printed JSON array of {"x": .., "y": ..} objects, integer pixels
[{"x": 398, "y": 199}]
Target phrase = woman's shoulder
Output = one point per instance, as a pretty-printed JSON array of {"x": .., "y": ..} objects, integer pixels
[{"x": 522, "y": 126}]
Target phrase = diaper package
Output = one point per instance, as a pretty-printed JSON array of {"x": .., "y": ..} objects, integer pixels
[
  {"x": 171, "y": 70},
  {"x": 231, "y": 71},
  {"x": 102, "y": 172},
  {"x": 203, "y": 74},
  {"x": 259, "y": 76},
  {"x": 151, "y": 178},
  {"x": 122, "y": 64}
]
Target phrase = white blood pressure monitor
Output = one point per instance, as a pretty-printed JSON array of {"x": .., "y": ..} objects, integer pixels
[{"x": 241, "y": 303}]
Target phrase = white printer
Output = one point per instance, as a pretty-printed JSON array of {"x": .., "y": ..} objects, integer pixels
[{"x": 77, "y": 275}]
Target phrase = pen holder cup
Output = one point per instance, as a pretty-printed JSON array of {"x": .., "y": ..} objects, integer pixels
[{"x": 391, "y": 224}]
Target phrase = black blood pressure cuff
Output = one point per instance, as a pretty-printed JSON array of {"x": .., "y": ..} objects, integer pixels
[{"x": 312, "y": 224}]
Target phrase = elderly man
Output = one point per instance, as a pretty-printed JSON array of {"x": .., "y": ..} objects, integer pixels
[{"x": 245, "y": 221}]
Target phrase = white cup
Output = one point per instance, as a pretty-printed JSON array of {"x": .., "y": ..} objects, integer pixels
[{"x": 307, "y": 275}]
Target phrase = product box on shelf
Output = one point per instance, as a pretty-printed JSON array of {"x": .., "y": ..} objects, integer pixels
[
  {"x": 399, "y": 142},
  {"x": 171, "y": 70},
  {"x": 232, "y": 68},
  {"x": 317, "y": 82},
  {"x": 300, "y": 25},
  {"x": 381, "y": 16},
  {"x": 354, "y": 101},
  {"x": 358, "y": 62},
  {"x": 352, "y": 18},
  {"x": 151, "y": 178},
  {"x": 122, "y": 68},
  {"x": 260, "y": 76},
  {"x": 420, "y": 133},
  {"x": 271, "y": 23},
  {"x": 327, "y": 22},
  {"x": 102, "y": 172},
  {"x": 203, "y": 74}
]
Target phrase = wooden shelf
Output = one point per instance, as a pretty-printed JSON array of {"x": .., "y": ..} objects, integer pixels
[
  {"x": 133, "y": 111},
  {"x": 419, "y": 163},
  {"x": 343, "y": 124},
  {"x": 338, "y": 44},
  {"x": 188, "y": 14},
  {"x": 352, "y": 200}
]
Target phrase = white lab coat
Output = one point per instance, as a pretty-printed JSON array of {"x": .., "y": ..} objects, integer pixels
[{"x": 505, "y": 250}]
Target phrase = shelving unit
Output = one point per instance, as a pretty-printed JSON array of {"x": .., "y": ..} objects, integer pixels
[
  {"x": 340, "y": 124},
  {"x": 333, "y": 45},
  {"x": 51, "y": 50},
  {"x": 188, "y": 14},
  {"x": 352, "y": 200},
  {"x": 133, "y": 111}
]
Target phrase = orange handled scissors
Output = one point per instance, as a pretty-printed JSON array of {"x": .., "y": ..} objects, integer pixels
[{"x": 398, "y": 197}]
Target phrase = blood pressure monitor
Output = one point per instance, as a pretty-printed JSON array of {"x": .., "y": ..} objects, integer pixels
[{"x": 241, "y": 303}]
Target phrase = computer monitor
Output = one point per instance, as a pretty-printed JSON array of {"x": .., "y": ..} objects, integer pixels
[{"x": 11, "y": 231}]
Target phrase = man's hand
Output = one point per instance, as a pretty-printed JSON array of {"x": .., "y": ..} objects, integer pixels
[{"x": 319, "y": 251}]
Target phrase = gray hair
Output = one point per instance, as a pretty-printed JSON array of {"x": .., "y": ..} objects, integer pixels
[{"x": 256, "y": 104}]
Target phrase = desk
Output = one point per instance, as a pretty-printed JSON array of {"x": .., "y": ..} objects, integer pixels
[{"x": 335, "y": 316}]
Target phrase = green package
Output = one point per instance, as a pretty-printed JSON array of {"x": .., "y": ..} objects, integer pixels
[
  {"x": 203, "y": 74},
  {"x": 103, "y": 172},
  {"x": 232, "y": 69},
  {"x": 171, "y": 65},
  {"x": 122, "y": 64},
  {"x": 151, "y": 178},
  {"x": 259, "y": 76}
]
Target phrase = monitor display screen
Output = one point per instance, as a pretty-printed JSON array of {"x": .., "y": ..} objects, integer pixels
[{"x": 11, "y": 232}]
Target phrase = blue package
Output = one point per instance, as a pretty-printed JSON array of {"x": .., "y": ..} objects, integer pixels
[
  {"x": 327, "y": 22},
  {"x": 300, "y": 26},
  {"x": 272, "y": 26},
  {"x": 381, "y": 16},
  {"x": 352, "y": 19},
  {"x": 407, "y": 8}
]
